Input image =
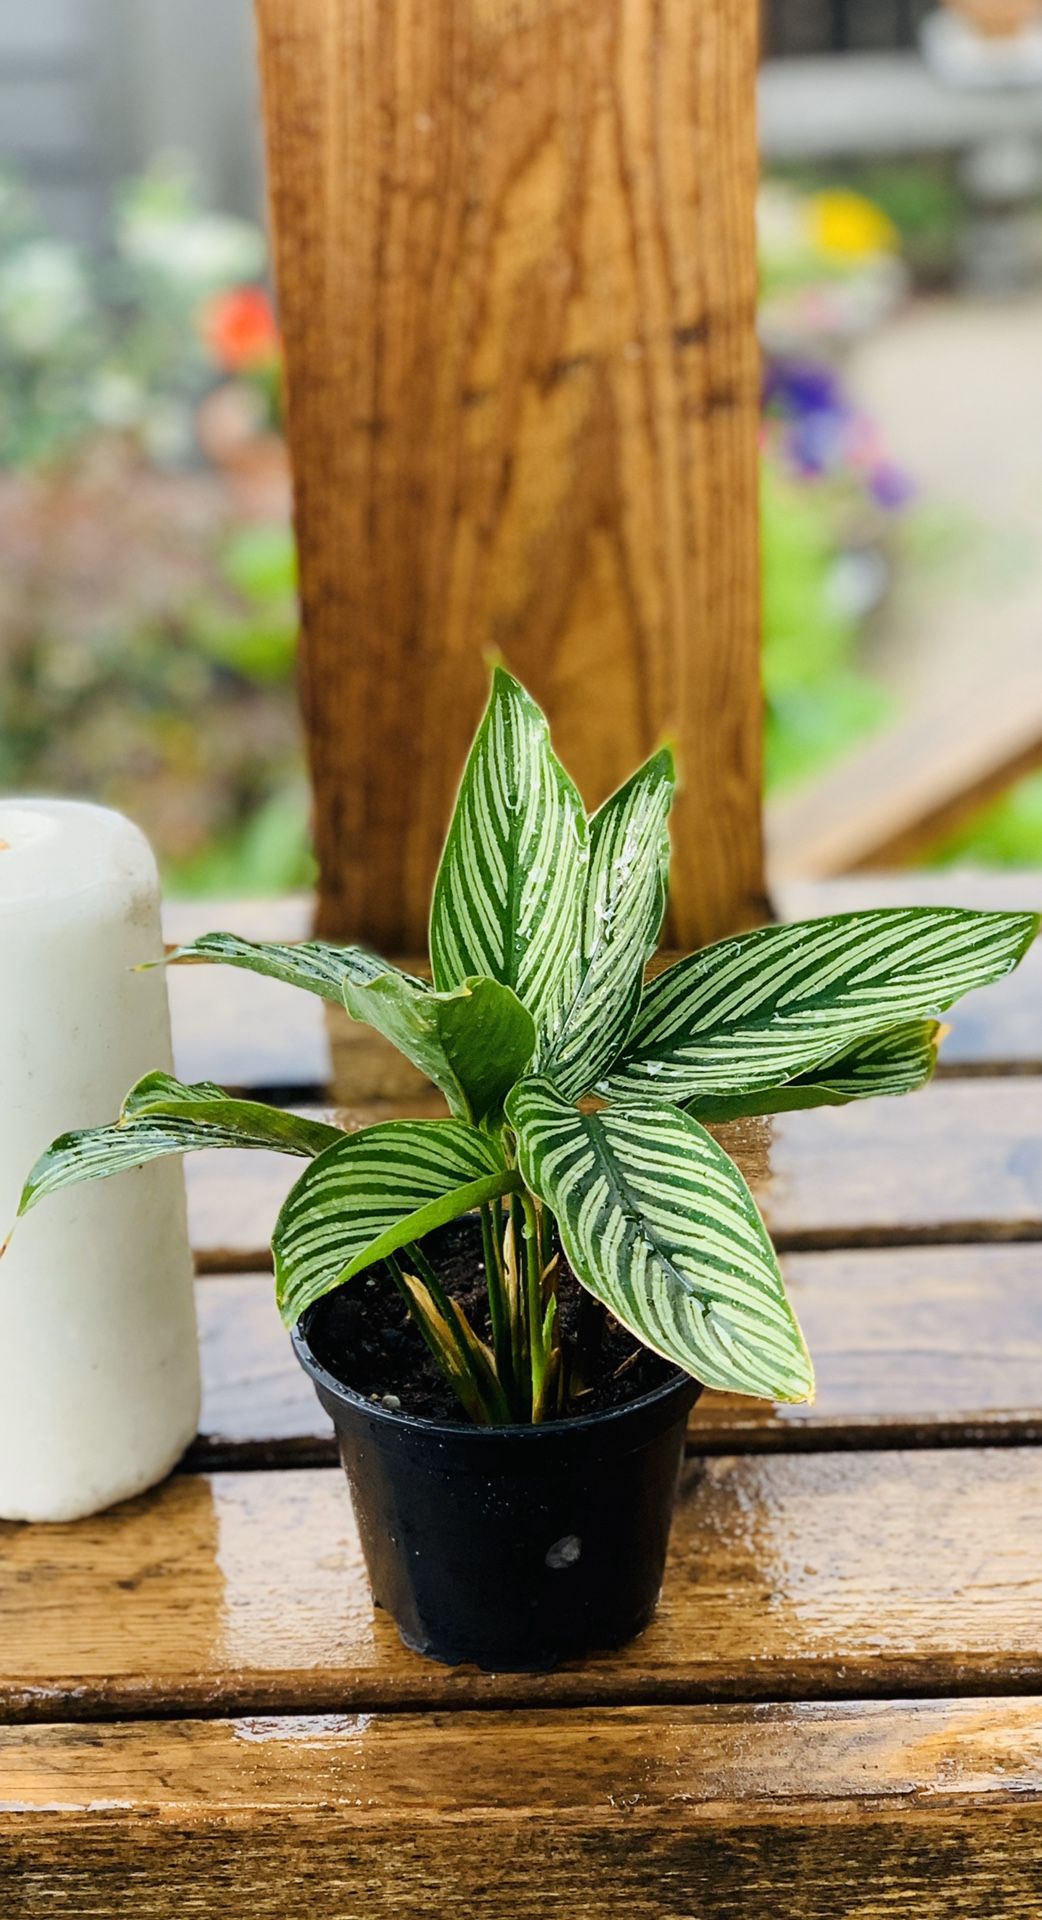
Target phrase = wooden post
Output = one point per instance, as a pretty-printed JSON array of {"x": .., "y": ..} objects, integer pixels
[{"x": 515, "y": 259}]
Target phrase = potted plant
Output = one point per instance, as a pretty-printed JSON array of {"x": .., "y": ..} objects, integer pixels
[{"x": 510, "y": 1311}]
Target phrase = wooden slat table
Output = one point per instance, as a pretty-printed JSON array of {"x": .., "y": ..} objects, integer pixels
[{"x": 836, "y": 1711}]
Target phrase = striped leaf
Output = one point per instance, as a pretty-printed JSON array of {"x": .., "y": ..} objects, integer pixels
[
  {"x": 473, "y": 1042},
  {"x": 376, "y": 1191},
  {"x": 624, "y": 901},
  {"x": 161, "y": 1116},
  {"x": 315, "y": 965},
  {"x": 508, "y": 896},
  {"x": 657, "y": 1222},
  {"x": 899, "y": 1060},
  {"x": 758, "y": 1010}
]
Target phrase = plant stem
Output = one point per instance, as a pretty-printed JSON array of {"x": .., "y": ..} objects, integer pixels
[
  {"x": 419, "y": 1261},
  {"x": 469, "y": 1373},
  {"x": 534, "y": 1290},
  {"x": 517, "y": 1318},
  {"x": 420, "y": 1322},
  {"x": 498, "y": 1311}
]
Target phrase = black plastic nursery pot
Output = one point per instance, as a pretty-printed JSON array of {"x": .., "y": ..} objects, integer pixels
[{"x": 511, "y": 1547}]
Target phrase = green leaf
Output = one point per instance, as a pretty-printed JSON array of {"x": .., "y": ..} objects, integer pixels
[
  {"x": 161, "y": 1116},
  {"x": 899, "y": 1060},
  {"x": 473, "y": 1042},
  {"x": 371, "y": 1194},
  {"x": 508, "y": 896},
  {"x": 315, "y": 965},
  {"x": 657, "y": 1222},
  {"x": 758, "y": 1010},
  {"x": 624, "y": 901}
]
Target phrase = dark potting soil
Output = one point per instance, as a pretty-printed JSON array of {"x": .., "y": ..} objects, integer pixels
[{"x": 362, "y": 1335}]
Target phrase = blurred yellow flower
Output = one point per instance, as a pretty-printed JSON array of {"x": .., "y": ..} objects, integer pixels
[{"x": 848, "y": 226}]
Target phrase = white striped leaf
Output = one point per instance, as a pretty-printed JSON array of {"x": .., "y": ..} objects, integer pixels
[
  {"x": 508, "y": 896},
  {"x": 376, "y": 1191},
  {"x": 899, "y": 1060},
  {"x": 316, "y": 965},
  {"x": 657, "y": 1222},
  {"x": 624, "y": 900},
  {"x": 160, "y": 1116},
  {"x": 473, "y": 1042},
  {"x": 758, "y": 1010}
]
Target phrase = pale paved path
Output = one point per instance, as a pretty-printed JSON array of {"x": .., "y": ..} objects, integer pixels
[{"x": 956, "y": 390}]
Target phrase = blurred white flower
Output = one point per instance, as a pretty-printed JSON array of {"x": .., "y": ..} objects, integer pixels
[
  {"x": 115, "y": 399},
  {"x": 196, "y": 252},
  {"x": 166, "y": 432},
  {"x": 781, "y": 221},
  {"x": 44, "y": 296}
]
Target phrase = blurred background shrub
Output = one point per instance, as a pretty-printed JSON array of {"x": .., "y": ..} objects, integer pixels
[
  {"x": 147, "y": 584},
  {"x": 147, "y": 578}
]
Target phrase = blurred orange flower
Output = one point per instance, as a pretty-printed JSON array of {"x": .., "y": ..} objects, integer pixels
[{"x": 240, "y": 329}]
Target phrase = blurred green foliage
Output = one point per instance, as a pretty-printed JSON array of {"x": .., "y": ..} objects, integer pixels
[
  {"x": 148, "y": 617},
  {"x": 818, "y": 700},
  {"x": 147, "y": 576},
  {"x": 258, "y": 637},
  {"x": 1008, "y": 833}
]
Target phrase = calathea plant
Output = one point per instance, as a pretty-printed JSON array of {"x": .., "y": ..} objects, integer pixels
[{"x": 578, "y": 1094}]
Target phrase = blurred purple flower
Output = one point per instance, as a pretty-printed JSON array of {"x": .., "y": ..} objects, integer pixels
[
  {"x": 822, "y": 432},
  {"x": 890, "y": 488},
  {"x": 801, "y": 388}
]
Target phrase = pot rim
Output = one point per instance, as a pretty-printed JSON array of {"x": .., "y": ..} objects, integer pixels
[{"x": 460, "y": 1430}]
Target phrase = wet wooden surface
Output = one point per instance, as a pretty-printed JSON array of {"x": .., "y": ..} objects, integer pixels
[
  {"x": 790, "y": 1576},
  {"x": 959, "y": 1161},
  {"x": 836, "y": 1710},
  {"x": 928, "y": 1808},
  {"x": 927, "y": 1346}
]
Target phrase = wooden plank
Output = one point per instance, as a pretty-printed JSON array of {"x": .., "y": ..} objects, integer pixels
[
  {"x": 790, "y": 1576},
  {"x": 234, "y": 1027},
  {"x": 959, "y": 1161},
  {"x": 248, "y": 1033},
  {"x": 914, "y": 1346},
  {"x": 258, "y": 1405},
  {"x": 284, "y": 916},
  {"x": 932, "y": 1808},
  {"x": 517, "y": 284}
]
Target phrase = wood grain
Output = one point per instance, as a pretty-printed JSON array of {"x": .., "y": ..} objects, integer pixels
[
  {"x": 794, "y": 1574},
  {"x": 959, "y": 1161},
  {"x": 790, "y": 1576},
  {"x": 932, "y": 1808},
  {"x": 920, "y": 1346},
  {"x": 515, "y": 257}
]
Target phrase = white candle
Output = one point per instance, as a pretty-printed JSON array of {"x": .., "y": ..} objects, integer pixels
[{"x": 99, "y": 1374}]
